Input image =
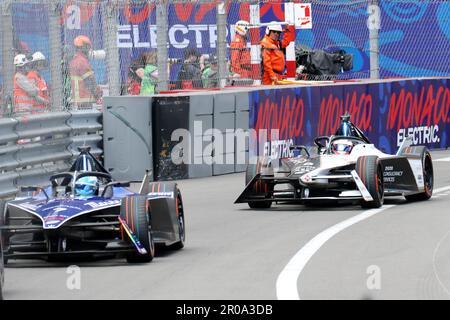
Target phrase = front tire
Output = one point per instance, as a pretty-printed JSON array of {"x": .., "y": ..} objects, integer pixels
[
  {"x": 370, "y": 171},
  {"x": 134, "y": 210}
]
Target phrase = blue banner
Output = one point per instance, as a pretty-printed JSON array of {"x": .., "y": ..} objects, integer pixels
[
  {"x": 414, "y": 35},
  {"x": 414, "y": 38},
  {"x": 386, "y": 112}
]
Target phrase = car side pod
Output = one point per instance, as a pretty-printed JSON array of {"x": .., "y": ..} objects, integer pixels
[{"x": 361, "y": 187}]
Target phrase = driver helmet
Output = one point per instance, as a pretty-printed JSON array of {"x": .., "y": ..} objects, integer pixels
[
  {"x": 342, "y": 147},
  {"x": 86, "y": 187}
]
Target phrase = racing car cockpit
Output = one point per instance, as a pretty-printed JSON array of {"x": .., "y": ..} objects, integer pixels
[
  {"x": 342, "y": 146},
  {"x": 344, "y": 139}
]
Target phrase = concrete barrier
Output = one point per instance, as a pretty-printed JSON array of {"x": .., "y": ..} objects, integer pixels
[{"x": 128, "y": 137}]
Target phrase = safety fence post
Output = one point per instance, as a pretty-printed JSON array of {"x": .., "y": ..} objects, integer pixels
[
  {"x": 222, "y": 42},
  {"x": 6, "y": 26},
  {"x": 54, "y": 8},
  {"x": 374, "y": 24},
  {"x": 162, "y": 41},
  {"x": 255, "y": 49},
  {"x": 112, "y": 51}
]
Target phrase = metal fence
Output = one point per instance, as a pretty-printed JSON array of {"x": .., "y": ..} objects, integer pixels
[{"x": 131, "y": 39}]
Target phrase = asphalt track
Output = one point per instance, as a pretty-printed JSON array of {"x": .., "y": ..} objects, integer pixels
[{"x": 233, "y": 252}]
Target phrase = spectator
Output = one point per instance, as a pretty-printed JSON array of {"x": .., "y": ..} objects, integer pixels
[
  {"x": 273, "y": 54},
  {"x": 135, "y": 75},
  {"x": 36, "y": 66},
  {"x": 26, "y": 94},
  {"x": 191, "y": 70},
  {"x": 210, "y": 73},
  {"x": 150, "y": 77},
  {"x": 85, "y": 91},
  {"x": 240, "y": 63}
]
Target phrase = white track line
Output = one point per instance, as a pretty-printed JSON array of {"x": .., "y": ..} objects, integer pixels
[
  {"x": 443, "y": 159},
  {"x": 287, "y": 280}
]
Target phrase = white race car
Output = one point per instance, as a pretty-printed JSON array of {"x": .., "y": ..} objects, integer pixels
[{"x": 342, "y": 167}]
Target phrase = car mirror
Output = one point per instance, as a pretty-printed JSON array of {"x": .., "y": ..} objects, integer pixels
[
  {"x": 117, "y": 184},
  {"x": 29, "y": 189}
]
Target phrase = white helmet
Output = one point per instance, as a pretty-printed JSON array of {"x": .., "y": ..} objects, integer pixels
[
  {"x": 274, "y": 26},
  {"x": 242, "y": 27},
  {"x": 20, "y": 60},
  {"x": 38, "y": 56}
]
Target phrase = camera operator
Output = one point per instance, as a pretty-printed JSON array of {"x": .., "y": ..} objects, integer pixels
[{"x": 190, "y": 74}]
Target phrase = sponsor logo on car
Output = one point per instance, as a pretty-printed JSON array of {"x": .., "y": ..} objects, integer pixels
[
  {"x": 95, "y": 205},
  {"x": 54, "y": 219},
  {"x": 154, "y": 195},
  {"x": 390, "y": 174}
]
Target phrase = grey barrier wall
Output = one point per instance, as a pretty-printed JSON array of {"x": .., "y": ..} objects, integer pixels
[
  {"x": 133, "y": 126},
  {"x": 242, "y": 122},
  {"x": 33, "y": 147},
  {"x": 127, "y": 136},
  {"x": 220, "y": 115},
  {"x": 224, "y": 121},
  {"x": 201, "y": 111},
  {"x": 85, "y": 128}
]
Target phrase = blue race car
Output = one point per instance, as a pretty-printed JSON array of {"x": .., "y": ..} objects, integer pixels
[{"x": 84, "y": 212}]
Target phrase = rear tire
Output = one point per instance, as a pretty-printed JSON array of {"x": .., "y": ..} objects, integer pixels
[
  {"x": 428, "y": 176},
  {"x": 370, "y": 171},
  {"x": 134, "y": 210},
  {"x": 181, "y": 224},
  {"x": 259, "y": 188}
]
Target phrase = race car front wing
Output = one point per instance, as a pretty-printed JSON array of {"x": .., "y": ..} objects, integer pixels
[{"x": 301, "y": 189}]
